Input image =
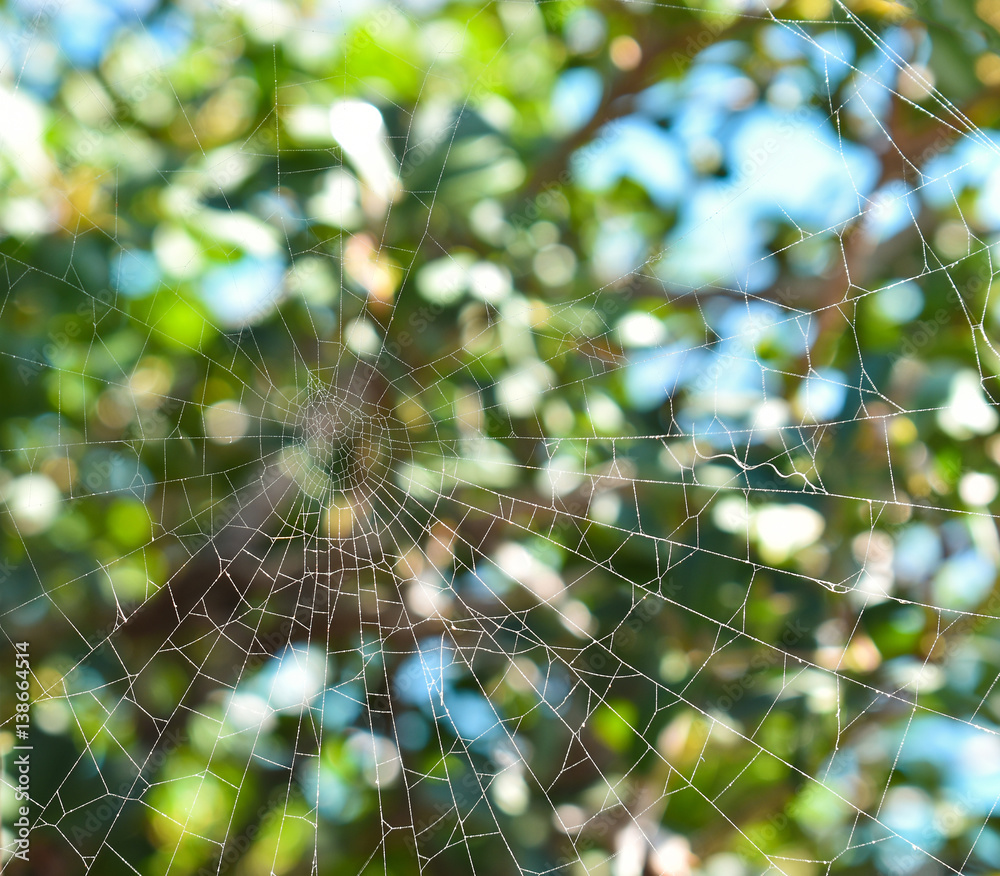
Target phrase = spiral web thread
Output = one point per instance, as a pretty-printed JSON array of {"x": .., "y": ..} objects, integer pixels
[{"x": 372, "y": 554}]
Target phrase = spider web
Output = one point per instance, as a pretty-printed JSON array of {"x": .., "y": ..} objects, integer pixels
[{"x": 496, "y": 609}]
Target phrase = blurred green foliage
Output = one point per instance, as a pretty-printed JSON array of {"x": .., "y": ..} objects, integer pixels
[{"x": 594, "y": 592}]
